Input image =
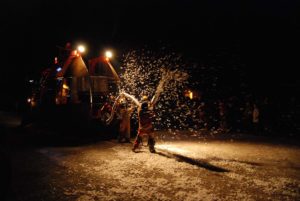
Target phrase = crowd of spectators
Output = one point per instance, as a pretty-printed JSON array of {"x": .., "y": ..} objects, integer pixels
[{"x": 260, "y": 116}]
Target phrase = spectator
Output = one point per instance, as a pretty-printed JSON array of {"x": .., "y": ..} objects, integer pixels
[
  {"x": 247, "y": 115},
  {"x": 222, "y": 116},
  {"x": 255, "y": 118}
]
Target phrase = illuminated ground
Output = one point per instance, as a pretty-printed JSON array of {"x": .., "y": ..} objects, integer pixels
[{"x": 203, "y": 168}]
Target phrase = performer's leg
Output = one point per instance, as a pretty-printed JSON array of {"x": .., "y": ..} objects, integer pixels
[
  {"x": 137, "y": 142},
  {"x": 151, "y": 142}
]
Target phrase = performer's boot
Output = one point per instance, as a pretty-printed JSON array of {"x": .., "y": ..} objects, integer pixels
[
  {"x": 151, "y": 143},
  {"x": 137, "y": 142}
]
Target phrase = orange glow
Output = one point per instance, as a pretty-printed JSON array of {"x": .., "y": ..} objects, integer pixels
[
  {"x": 33, "y": 103},
  {"x": 65, "y": 86},
  {"x": 74, "y": 53},
  {"x": 191, "y": 95}
]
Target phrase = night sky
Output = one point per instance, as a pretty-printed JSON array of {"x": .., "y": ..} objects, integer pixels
[{"x": 262, "y": 35}]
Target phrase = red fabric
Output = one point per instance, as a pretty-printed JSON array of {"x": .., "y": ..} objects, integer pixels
[{"x": 145, "y": 123}]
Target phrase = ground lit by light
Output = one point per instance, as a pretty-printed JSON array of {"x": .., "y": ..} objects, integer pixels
[
  {"x": 172, "y": 148},
  {"x": 180, "y": 170}
]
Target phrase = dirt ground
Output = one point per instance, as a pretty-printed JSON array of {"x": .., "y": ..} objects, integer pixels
[{"x": 183, "y": 168}]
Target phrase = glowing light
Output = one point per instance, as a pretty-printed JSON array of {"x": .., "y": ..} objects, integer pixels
[
  {"x": 58, "y": 69},
  {"x": 191, "y": 95},
  {"x": 144, "y": 98},
  {"x": 108, "y": 54},
  {"x": 31, "y": 81},
  {"x": 28, "y": 100},
  {"x": 81, "y": 48},
  {"x": 65, "y": 86}
]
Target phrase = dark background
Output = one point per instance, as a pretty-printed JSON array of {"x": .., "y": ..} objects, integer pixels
[{"x": 260, "y": 36}]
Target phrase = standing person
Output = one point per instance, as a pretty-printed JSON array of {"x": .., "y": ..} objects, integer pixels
[
  {"x": 247, "y": 114},
  {"x": 124, "y": 127},
  {"x": 202, "y": 116},
  {"x": 255, "y": 118},
  {"x": 267, "y": 116},
  {"x": 222, "y": 116},
  {"x": 145, "y": 117}
]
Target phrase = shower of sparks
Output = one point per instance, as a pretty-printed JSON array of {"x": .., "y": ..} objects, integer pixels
[{"x": 148, "y": 73}]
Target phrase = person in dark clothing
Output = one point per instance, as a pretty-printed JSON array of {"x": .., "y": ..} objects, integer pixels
[
  {"x": 247, "y": 117},
  {"x": 256, "y": 118},
  {"x": 267, "y": 116}
]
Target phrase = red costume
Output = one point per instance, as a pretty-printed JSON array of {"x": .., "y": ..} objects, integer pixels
[{"x": 145, "y": 127}]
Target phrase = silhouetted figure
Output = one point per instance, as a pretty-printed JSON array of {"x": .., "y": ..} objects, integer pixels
[
  {"x": 267, "y": 116},
  {"x": 222, "y": 116},
  {"x": 247, "y": 117},
  {"x": 231, "y": 116},
  {"x": 255, "y": 118},
  {"x": 202, "y": 116}
]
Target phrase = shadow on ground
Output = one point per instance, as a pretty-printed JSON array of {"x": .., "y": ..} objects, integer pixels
[{"x": 199, "y": 163}]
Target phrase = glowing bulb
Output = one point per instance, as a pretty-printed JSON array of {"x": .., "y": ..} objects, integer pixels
[
  {"x": 108, "y": 54},
  {"x": 81, "y": 48}
]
